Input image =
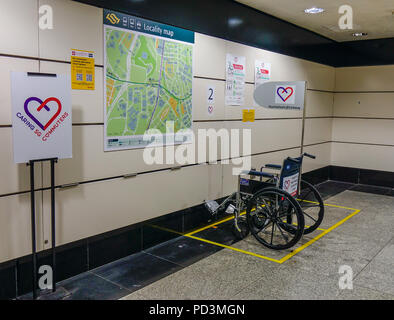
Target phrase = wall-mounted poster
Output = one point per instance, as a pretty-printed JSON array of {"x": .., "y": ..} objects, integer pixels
[
  {"x": 82, "y": 70},
  {"x": 148, "y": 81},
  {"x": 235, "y": 80},
  {"x": 262, "y": 73},
  {"x": 41, "y": 116}
]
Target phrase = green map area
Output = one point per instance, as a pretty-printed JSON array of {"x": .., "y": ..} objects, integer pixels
[{"x": 148, "y": 82}]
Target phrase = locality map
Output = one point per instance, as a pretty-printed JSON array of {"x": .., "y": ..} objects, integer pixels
[{"x": 148, "y": 81}]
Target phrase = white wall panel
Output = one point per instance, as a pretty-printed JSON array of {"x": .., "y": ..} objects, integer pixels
[
  {"x": 372, "y": 105},
  {"x": 19, "y": 27},
  {"x": 362, "y": 156},
  {"x": 363, "y": 130},
  {"x": 99, "y": 207},
  {"x": 377, "y": 78},
  {"x": 75, "y": 26},
  {"x": 6, "y": 66},
  {"x": 87, "y": 105}
]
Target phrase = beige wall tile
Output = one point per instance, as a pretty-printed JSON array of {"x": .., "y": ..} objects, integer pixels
[
  {"x": 319, "y": 104},
  {"x": 14, "y": 177},
  {"x": 15, "y": 226},
  {"x": 19, "y": 27},
  {"x": 7, "y": 65},
  {"x": 323, "y": 157},
  {"x": 317, "y": 130},
  {"x": 362, "y": 156},
  {"x": 209, "y": 57},
  {"x": 75, "y": 26},
  {"x": 371, "y": 105},
  {"x": 376, "y": 78},
  {"x": 87, "y": 105},
  {"x": 99, "y": 207},
  {"x": 363, "y": 130}
]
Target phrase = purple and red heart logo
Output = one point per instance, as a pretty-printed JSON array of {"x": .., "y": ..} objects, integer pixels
[
  {"x": 43, "y": 105},
  {"x": 285, "y": 93}
]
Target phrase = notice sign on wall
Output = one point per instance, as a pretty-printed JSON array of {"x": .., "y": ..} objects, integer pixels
[
  {"x": 248, "y": 115},
  {"x": 82, "y": 70},
  {"x": 235, "y": 80},
  {"x": 41, "y": 116},
  {"x": 262, "y": 73},
  {"x": 281, "y": 95}
]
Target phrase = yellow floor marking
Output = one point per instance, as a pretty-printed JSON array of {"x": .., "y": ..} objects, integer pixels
[
  {"x": 234, "y": 249},
  {"x": 165, "y": 229},
  {"x": 318, "y": 236},
  {"x": 213, "y": 224},
  {"x": 285, "y": 258}
]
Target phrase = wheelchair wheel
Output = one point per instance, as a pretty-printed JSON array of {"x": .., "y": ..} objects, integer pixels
[
  {"x": 275, "y": 218},
  {"x": 312, "y": 206}
]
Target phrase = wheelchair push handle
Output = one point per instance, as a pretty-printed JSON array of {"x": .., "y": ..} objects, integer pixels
[{"x": 309, "y": 155}]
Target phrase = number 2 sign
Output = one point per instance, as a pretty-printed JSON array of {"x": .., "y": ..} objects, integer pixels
[{"x": 210, "y": 100}]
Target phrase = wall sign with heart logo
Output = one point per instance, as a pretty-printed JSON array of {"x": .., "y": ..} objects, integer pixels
[
  {"x": 285, "y": 94},
  {"x": 41, "y": 116},
  {"x": 43, "y": 106},
  {"x": 281, "y": 95}
]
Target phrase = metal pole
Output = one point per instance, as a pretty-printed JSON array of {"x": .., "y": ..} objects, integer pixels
[
  {"x": 53, "y": 224},
  {"x": 33, "y": 230}
]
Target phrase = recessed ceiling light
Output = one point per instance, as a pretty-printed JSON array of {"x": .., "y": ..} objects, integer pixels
[
  {"x": 359, "y": 34},
  {"x": 314, "y": 10},
  {"x": 234, "y": 22}
]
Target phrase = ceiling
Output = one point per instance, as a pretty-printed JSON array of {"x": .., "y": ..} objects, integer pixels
[{"x": 376, "y": 17}]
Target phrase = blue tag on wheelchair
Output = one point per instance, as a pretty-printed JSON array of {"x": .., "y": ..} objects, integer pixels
[{"x": 244, "y": 182}]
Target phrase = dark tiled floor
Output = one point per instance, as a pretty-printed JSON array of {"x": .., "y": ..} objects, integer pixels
[
  {"x": 136, "y": 271},
  {"x": 121, "y": 277},
  {"x": 331, "y": 188},
  {"x": 183, "y": 251},
  {"x": 222, "y": 233},
  {"x": 372, "y": 189}
]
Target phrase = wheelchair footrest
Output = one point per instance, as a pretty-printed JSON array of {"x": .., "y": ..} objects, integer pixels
[{"x": 211, "y": 205}]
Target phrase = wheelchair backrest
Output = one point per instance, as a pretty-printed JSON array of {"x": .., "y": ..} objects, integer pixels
[{"x": 290, "y": 175}]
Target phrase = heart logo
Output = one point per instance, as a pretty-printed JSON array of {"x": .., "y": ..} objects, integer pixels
[
  {"x": 210, "y": 109},
  {"x": 284, "y": 93},
  {"x": 43, "y": 105}
]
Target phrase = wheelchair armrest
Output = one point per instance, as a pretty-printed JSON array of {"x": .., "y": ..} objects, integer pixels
[
  {"x": 261, "y": 174},
  {"x": 273, "y": 166}
]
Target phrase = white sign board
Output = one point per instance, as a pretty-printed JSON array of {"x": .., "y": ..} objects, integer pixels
[
  {"x": 235, "y": 80},
  {"x": 262, "y": 73},
  {"x": 281, "y": 95},
  {"x": 290, "y": 184},
  {"x": 41, "y": 116},
  {"x": 210, "y": 100}
]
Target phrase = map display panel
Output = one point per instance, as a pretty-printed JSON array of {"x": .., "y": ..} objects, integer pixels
[{"x": 148, "y": 81}]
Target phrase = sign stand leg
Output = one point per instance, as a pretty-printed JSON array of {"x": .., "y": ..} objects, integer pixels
[
  {"x": 33, "y": 224},
  {"x": 53, "y": 224},
  {"x": 33, "y": 229}
]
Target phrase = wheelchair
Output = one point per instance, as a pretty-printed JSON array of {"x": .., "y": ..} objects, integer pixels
[{"x": 280, "y": 207}]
